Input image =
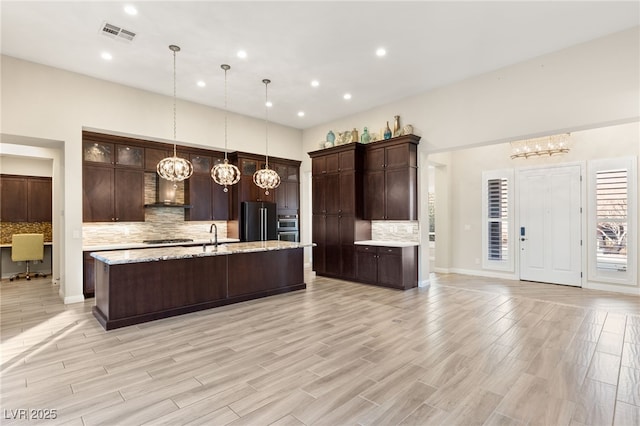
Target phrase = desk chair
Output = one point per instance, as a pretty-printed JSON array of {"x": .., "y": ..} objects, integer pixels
[{"x": 26, "y": 247}]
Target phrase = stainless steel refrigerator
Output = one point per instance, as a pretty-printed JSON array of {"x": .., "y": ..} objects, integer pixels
[{"x": 258, "y": 221}]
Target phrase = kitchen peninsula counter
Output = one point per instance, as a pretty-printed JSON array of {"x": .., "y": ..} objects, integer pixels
[{"x": 135, "y": 286}]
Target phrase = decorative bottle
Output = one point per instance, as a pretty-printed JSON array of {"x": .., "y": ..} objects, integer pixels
[
  {"x": 366, "y": 137},
  {"x": 331, "y": 137},
  {"x": 396, "y": 125},
  {"x": 354, "y": 135},
  {"x": 387, "y": 132}
]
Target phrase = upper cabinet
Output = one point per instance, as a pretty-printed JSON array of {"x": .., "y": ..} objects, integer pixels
[
  {"x": 288, "y": 193},
  {"x": 112, "y": 179},
  {"x": 25, "y": 198},
  {"x": 207, "y": 199},
  {"x": 390, "y": 180}
]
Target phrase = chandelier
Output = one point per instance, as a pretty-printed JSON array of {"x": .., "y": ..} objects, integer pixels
[
  {"x": 266, "y": 178},
  {"x": 174, "y": 169},
  {"x": 546, "y": 145},
  {"x": 225, "y": 174}
]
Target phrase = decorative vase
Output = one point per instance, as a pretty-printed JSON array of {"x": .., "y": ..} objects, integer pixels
[
  {"x": 407, "y": 130},
  {"x": 366, "y": 137},
  {"x": 331, "y": 137},
  {"x": 354, "y": 135},
  {"x": 387, "y": 132},
  {"x": 396, "y": 125}
]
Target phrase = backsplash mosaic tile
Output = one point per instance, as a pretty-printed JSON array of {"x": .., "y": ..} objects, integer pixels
[
  {"x": 386, "y": 230},
  {"x": 7, "y": 229},
  {"x": 160, "y": 223}
]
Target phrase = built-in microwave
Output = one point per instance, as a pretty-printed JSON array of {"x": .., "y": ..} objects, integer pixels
[
  {"x": 292, "y": 236},
  {"x": 288, "y": 222}
]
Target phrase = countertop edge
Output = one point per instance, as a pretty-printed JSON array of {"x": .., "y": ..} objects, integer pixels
[
  {"x": 381, "y": 243},
  {"x": 145, "y": 255}
]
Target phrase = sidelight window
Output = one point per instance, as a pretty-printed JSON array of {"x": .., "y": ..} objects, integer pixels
[
  {"x": 612, "y": 224},
  {"x": 497, "y": 220}
]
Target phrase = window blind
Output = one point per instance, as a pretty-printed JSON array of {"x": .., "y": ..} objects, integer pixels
[
  {"x": 497, "y": 214},
  {"x": 611, "y": 220}
]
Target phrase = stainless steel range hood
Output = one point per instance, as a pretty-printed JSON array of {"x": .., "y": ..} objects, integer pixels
[{"x": 166, "y": 194}]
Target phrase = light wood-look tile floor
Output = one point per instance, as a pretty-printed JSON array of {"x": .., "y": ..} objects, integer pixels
[{"x": 466, "y": 351}]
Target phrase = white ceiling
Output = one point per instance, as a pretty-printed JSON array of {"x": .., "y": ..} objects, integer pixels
[{"x": 429, "y": 44}]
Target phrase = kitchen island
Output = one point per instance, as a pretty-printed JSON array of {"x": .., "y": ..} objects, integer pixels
[{"x": 135, "y": 286}]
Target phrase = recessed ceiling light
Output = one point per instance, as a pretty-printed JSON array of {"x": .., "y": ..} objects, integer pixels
[
  {"x": 315, "y": 83},
  {"x": 130, "y": 10},
  {"x": 269, "y": 104},
  {"x": 201, "y": 83},
  {"x": 347, "y": 96},
  {"x": 242, "y": 54},
  {"x": 300, "y": 113},
  {"x": 106, "y": 56},
  {"x": 381, "y": 52}
]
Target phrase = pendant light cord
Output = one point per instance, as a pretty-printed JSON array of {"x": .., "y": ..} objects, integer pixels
[
  {"x": 266, "y": 119},
  {"x": 225, "y": 68},
  {"x": 174, "y": 103}
]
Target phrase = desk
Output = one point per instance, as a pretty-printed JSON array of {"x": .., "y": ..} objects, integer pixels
[{"x": 8, "y": 267}]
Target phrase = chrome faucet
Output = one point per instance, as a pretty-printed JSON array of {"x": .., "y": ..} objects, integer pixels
[{"x": 215, "y": 240}]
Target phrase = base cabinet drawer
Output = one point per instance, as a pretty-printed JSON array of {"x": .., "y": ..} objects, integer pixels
[{"x": 394, "y": 267}]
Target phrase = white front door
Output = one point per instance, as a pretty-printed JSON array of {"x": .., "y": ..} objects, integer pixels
[{"x": 550, "y": 225}]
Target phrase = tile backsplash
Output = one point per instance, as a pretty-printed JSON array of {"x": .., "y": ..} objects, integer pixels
[
  {"x": 7, "y": 229},
  {"x": 386, "y": 230},
  {"x": 160, "y": 223}
]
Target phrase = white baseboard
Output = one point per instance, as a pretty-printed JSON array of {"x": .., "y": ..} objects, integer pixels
[
  {"x": 424, "y": 284},
  {"x": 612, "y": 288},
  {"x": 441, "y": 270},
  {"x": 73, "y": 299}
]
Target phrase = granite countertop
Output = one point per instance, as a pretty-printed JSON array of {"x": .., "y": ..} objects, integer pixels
[
  {"x": 169, "y": 253},
  {"x": 387, "y": 243},
  {"x": 140, "y": 245}
]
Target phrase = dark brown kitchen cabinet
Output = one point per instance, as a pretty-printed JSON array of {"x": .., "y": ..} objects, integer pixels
[
  {"x": 391, "y": 175},
  {"x": 25, "y": 198},
  {"x": 39, "y": 199},
  {"x": 152, "y": 157},
  {"x": 14, "y": 201},
  {"x": 115, "y": 154},
  {"x": 112, "y": 179},
  {"x": 112, "y": 194},
  {"x": 394, "y": 267},
  {"x": 287, "y": 195},
  {"x": 207, "y": 199},
  {"x": 88, "y": 272},
  {"x": 336, "y": 197}
]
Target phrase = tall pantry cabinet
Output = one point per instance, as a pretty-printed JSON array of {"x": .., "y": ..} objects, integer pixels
[{"x": 337, "y": 195}]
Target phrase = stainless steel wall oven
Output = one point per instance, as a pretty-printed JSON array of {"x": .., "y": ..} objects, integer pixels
[{"x": 288, "y": 229}]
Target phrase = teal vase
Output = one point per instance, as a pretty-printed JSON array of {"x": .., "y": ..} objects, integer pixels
[
  {"x": 331, "y": 137},
  {"x": 387, "y": 132},
  {"x": 366, "y": 137}
]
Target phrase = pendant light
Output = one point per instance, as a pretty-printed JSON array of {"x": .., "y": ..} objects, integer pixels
[
  {"x": 174, "y": 169},
  {"x": 266, "y": 178},
  {"x": 225, "y": 174}
]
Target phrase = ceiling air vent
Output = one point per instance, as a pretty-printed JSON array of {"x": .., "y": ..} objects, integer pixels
[{"x": 116, "y": 32}]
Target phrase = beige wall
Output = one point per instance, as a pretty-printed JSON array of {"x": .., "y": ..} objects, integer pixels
[
  {"x": 467, "y": 165},
  {"x": 587, "y": 86},
  {"x": 42, "y": 103}
]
